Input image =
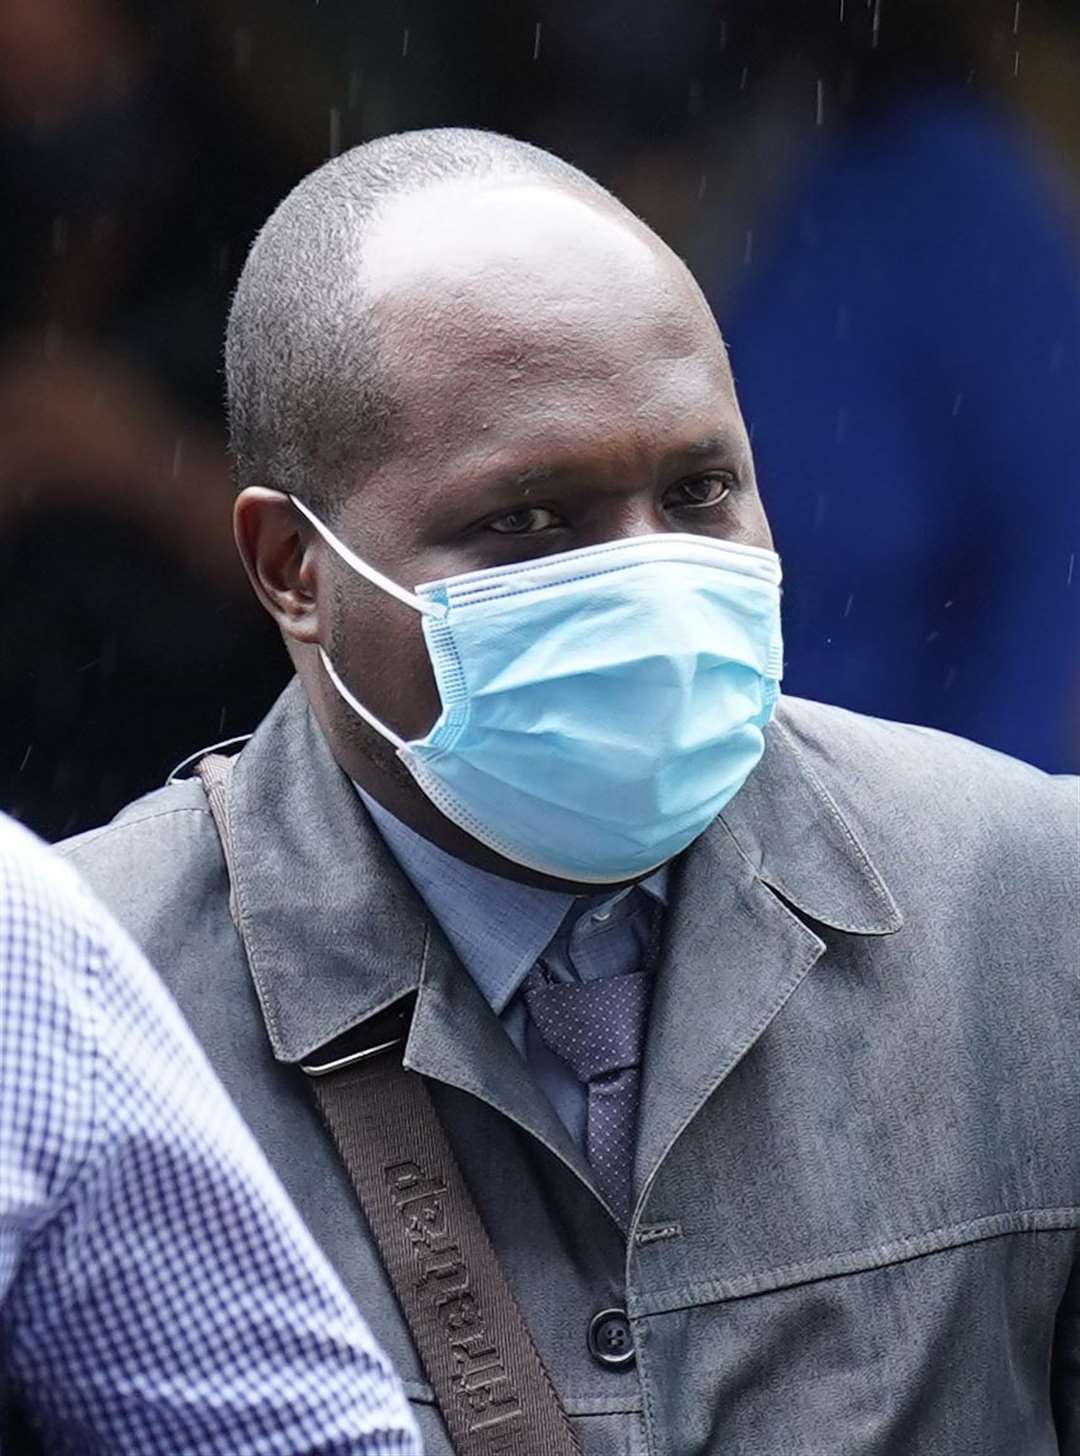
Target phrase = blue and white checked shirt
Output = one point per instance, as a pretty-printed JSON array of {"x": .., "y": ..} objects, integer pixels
[
  {"x": 500, "y": 929},
  {"x": 158, "y": 1293}
]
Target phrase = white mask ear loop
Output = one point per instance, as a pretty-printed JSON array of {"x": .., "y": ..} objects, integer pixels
[
  {"x": 361, "y": 567},
  {"x": 357, "y": 706}
]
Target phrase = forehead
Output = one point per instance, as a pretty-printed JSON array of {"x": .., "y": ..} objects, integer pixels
[{"x": 516, "y": 316}]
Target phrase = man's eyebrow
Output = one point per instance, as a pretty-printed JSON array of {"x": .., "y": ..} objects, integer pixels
[
  {"x": 709, "y": 444},
  {"x": 506, "y": 484},
  {"x": 534, "y": 474},
  {"x": 719, "y": 442},
  {"x": 511, "y": 482}
]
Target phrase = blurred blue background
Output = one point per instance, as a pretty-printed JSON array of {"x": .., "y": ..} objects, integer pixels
[{"x": 881, "y": 200}]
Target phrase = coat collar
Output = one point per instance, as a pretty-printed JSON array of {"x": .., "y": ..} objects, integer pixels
[
  {"x": 794, "y": 838},
  {"x": 334, "y": 932}
]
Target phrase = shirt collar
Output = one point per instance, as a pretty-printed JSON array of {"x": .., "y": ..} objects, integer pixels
[{"x": 498, "y": 927}]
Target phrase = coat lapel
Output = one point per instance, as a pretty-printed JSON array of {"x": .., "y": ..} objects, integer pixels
[
  {"x": 732, "y": 956},
  {"x": 457, "y": 1039},
  {"x": 738, "y": 942},
  {"x": 334, "y": 931}
]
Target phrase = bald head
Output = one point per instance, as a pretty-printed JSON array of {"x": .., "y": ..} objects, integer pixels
[
  {"x": 307, "y": 400},
  {"x": 383, "y": 253}
]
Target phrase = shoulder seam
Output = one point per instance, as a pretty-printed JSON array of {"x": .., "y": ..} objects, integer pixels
[{"x": 67, "y": 850}]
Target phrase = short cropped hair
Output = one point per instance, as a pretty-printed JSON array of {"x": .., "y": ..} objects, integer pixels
[{"x": 307, "y": 401}]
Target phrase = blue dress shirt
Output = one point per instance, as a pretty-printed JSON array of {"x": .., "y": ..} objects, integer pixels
[
  {"x": 158, "y": 1293},
  {"x": 500, "y": 929}
]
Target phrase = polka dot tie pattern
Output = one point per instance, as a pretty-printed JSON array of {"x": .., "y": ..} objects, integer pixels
[{"x": 598, "y": 1029}]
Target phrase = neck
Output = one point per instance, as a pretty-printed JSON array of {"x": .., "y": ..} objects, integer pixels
[{"x": 373, "y": 766}]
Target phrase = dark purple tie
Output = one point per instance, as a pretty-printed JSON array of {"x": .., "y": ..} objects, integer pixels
[{"x": 598, "y": 1028}]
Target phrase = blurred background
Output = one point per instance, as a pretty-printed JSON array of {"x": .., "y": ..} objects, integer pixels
[{"x": 881, "y": 199}]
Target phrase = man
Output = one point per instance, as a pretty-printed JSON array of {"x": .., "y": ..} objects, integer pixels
[
  {"x": 762, "y": 1074},
  {"x": 157, "y": 1291}
]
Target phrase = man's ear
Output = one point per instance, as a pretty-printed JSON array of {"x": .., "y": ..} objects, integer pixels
[{"x": 281, "y": 559}]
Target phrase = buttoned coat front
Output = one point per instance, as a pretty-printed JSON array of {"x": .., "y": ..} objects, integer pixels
[{"x": 858, "y": 1164}]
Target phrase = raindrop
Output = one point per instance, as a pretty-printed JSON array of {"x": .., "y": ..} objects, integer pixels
[
  {"x": 1016, "y": 63},
  {"x": 957, "y": 402},
  {"x": 178, "y": 457},
  {"x": 26, "y": 756},
  {"x": 820, "y": 115},
  {"x": 744, "y": 78},
  {"x": 1016, "y": 19},
  {"x": 536, "y": 42},
  {"x": 748, "y": 250},
  {"x": 405, "y": 41},
  {"x": 875, "y": 27},
  {"x": 841, "y": 12},
  {"x": 1072, "y": 564},
  {"x": 848, "y": 605},
  {"x": 702, "y": 185},
  {"x": 335, "y": 131}
]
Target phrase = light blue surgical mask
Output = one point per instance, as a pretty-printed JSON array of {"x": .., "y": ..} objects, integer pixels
[{"x": 600, "y": 706}]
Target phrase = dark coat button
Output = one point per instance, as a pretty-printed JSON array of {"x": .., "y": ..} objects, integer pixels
[{"x": 611, "y": 1340}]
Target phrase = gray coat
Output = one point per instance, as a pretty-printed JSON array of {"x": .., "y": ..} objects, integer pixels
[{"x": 858, "y": 1170}]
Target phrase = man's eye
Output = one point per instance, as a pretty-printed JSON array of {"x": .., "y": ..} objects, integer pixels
[
  {"x": 524, "y": 523},
  {"x": 709, "y": 490}
]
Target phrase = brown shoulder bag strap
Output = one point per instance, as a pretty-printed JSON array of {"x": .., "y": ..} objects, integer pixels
[{"x": 492, "y": 1387}]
